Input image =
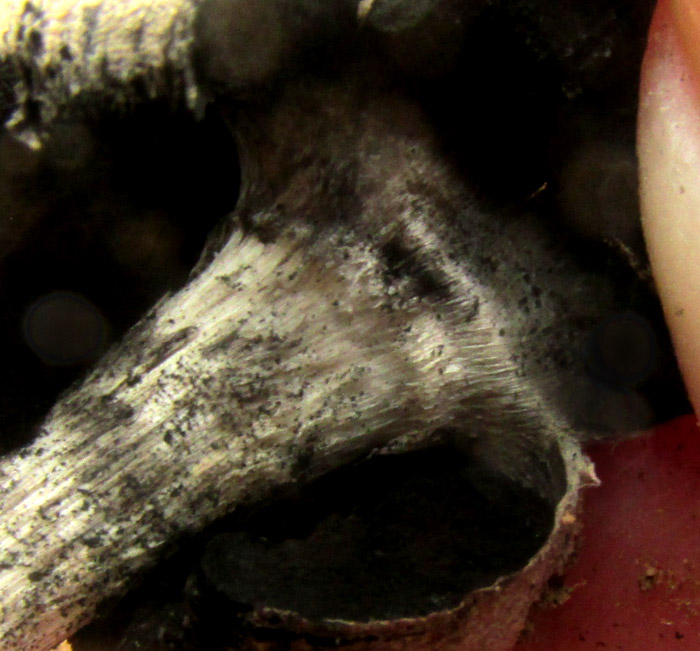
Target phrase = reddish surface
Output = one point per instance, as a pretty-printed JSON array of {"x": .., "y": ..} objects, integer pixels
[{"x": 636, "y": 585}]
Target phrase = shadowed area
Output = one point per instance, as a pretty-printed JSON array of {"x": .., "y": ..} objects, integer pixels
[{"x": 389, "y": 537}]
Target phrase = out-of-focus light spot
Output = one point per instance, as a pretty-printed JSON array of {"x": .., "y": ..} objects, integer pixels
[
  {"x": 622, "y": 350},
  {"x": 64, "y": 328}
]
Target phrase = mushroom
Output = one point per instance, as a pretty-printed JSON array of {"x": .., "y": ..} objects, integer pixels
[{"x": 360, "y": 300}]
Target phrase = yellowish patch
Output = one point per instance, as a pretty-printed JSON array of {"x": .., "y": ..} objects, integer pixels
[{"x": 64, "y": 646}]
